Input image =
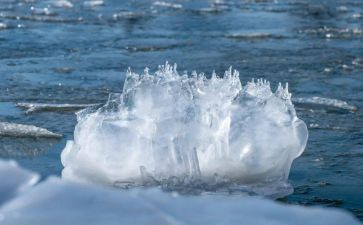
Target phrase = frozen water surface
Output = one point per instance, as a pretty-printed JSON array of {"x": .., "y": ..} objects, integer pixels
[
  {"x": 39, "y": 107},
  {"x": 325, "y": 102},
  {"x": 62, "y": 202}
]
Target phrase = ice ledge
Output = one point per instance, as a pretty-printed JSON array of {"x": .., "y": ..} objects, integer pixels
[{"x": 71, "y": 203}]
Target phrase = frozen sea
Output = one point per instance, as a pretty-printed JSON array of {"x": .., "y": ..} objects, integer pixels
[{"x": 77, "y": 52}]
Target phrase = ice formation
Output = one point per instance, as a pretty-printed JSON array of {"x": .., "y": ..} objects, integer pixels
[
  {"x": 39, "y": 107},
  {"x": 179, "y": 129},
  {"x": 22, "y": 130},
  {"x": 325, "y": 102}
]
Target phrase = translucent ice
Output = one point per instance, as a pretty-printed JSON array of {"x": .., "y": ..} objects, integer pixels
[{"x": 176, "y": 129}]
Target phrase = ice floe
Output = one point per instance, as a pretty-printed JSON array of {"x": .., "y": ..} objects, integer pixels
[
  {"x": 22, "y": 130},
  {"x": 328, "y": 103},
  {"x": 38, "y": 107}
]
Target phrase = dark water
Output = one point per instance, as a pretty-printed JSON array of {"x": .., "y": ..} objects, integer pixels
[{"x": 79, "y": 54}]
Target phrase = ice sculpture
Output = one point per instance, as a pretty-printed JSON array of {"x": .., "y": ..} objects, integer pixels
[{"x": 176, "y": 129}]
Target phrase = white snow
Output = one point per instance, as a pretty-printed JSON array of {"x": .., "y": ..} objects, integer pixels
[
  {"x": 55, "y": 201},
  {"x": 14, "y": 180}
]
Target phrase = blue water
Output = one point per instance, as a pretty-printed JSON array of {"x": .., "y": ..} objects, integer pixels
[{"x": 74, "y": 55}]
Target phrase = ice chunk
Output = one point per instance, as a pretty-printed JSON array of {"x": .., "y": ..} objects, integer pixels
[
  {"x": 329, "y": 103},
  {"x": 70, "y": 203},
  {"x": 3, "y": 26},
  {"x": 38, "y": 107},
  {"x": 253, "y": 36},
  {"x": 93, "y": 3},
  {"x": 14, "y": 180},
  {"x": 63, "y": 4},
  {"x": 168, "y": 5},
  {"x": 22, "y": 130},
  {"x": 170, "y": 129}
]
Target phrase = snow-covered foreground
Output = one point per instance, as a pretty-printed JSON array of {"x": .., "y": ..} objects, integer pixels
[{"x": 55, "y": 201}]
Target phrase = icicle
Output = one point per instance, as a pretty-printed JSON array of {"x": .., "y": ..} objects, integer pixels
[
  {"x": 128, "y": 72},
  {"x": 194, "y": 74},
  {"x": 146, "y": 71},
  {"x": 214, "y": 75}
]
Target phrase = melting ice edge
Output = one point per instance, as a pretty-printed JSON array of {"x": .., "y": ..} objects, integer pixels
[{"x": 190, "y": 134}]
